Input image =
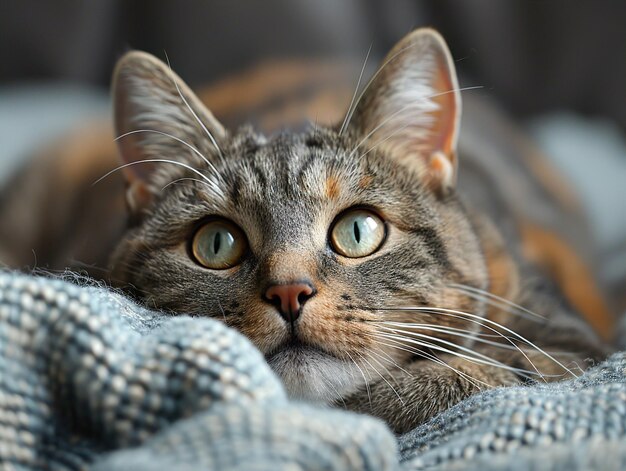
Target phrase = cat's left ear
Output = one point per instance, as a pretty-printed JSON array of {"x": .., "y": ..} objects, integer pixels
[
  {"x": 157, "y": 117},
  {"x": 412, "y": 108}
]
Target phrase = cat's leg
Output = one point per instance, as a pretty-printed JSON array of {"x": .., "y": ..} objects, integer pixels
[{"x": 409, "y": 397}]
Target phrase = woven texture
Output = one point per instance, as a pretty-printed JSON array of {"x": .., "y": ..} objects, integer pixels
[
  {"x": 572, "y": 425},
  {"x": 88, "y": 379},
  {"x": 84, "y": 371}
]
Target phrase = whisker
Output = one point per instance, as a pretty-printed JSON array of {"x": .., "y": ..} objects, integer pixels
[
  {"x": 330, "y": 384},
  {"x": 356, "y": 90},
  {"x": 388, "y": 358},
  {"x": 474, "y": 316},
  {"x": 434, "y": 359},
  {"x": 382, "y": 377},
  {"x": 468, "y": 334},
  {"x": 478, "y": 357},
  {"x": 221, "y": 310},
  {"x": 514, "y": 345},
  {"x": 382, "y": 366},
  {"x": 495, "y": 300},
  {"x": 381, "y": 141},
  {"x": 213, "y": 141},
  {"x": 443, "y": 350},
  {"x": 367, "y": 386},
  {"x": 178, "y": 180},
  {"x": 177, "y": 139},
  {"x": 369, "y": 83},
  {"x": 498, "y": 334},
  {"x": 167, "y": 161}
]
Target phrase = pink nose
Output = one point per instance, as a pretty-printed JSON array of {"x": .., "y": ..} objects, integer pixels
[{"x": 289, "y": 298}]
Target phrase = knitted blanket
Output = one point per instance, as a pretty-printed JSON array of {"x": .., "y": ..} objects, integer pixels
[{"x": 90, "y": 380}]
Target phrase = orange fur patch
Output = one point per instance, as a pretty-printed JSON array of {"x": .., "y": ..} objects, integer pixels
[
  {"x": 365, "y": 181},
  {"x": 332, "y": 187},
  {"x": 502, "y": 271},
  {"x": 571, "y": 274}
]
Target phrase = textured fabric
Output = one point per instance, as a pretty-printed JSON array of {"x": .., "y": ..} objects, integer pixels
[
  {"x": 84, "y": 371},
  {"x": 572, "y": 425},
  {"x": 90, "y": 379}
]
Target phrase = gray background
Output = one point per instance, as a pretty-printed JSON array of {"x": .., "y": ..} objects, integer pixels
[{"x": 559, "y": 66}]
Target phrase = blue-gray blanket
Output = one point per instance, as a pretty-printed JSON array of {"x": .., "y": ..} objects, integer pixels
[{"x": 90, "y": 380}]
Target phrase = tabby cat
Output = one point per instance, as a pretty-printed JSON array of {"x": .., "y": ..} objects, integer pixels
[{"x": 346, "y": 254}]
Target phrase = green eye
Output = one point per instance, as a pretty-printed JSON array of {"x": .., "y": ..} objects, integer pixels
[
  {"x": 358, "y": 233},
  {"x": 219, "y": 244}
]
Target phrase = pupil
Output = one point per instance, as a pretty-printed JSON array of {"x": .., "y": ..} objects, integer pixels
[
  {"x": 357, "y": 232},
  {"x": 217, "y": 242}
]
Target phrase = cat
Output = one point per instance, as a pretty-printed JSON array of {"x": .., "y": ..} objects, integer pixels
[
  {"x": 345, "y": 253},
  {"x": 349, "y": 254}
]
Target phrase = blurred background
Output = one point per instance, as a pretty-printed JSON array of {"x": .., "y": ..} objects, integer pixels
[{"x": 558, "y": 67}]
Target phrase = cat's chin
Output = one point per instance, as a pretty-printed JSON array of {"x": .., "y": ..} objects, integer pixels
[{"x": 312, "y": 375}]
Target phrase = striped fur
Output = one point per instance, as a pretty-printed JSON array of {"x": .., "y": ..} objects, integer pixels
[{"x": 285, "y": 189}]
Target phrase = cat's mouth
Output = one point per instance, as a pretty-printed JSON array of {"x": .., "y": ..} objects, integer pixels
[
  {"x": 310, "y": 373},
  {"x": 294, "y": 347}
]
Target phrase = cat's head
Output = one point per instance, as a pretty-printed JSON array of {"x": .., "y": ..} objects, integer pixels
[{"x": 310, "y": 244}]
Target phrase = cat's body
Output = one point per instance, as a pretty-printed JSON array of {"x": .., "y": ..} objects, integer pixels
[{"x": 411, "y": 305}]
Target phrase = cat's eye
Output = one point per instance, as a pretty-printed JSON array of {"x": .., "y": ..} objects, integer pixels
[
  {"x": 219, "y": 244},
  {"x": 357, "y": 233}
]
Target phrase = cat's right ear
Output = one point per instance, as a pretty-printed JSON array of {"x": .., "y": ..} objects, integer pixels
[{"x": 157, "y": 117}]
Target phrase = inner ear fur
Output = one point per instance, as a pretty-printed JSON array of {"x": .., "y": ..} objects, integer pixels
[
  {"x": 411, "y": 109},
  {"x": 157, "y": 116}
]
